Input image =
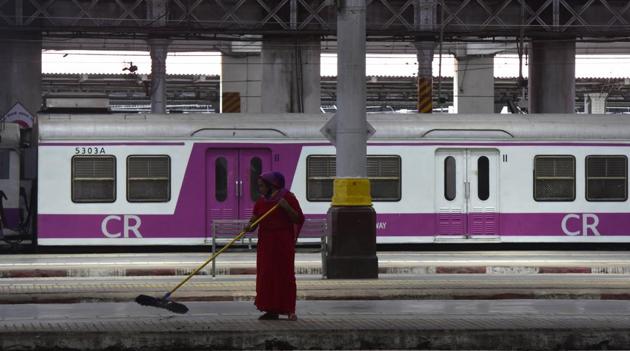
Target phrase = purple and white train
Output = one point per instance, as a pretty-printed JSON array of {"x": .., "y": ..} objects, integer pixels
[{"x": 163, "y": 179}]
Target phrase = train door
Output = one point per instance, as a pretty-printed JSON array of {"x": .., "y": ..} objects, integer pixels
[
  {"x": 232, "y": 181},
  {"x": 467, "y": 185}
]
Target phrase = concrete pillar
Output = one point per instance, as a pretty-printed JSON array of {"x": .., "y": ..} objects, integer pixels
[
  {"x": 351, "y": 249},
  {"x": 425, "y": 16},
  {"x": 552, "y": 76},
  {"x": 473, "y": 84},
  {"x": 597, "y": 103},
  {"x": 425, "y": 76},
  {"x": 20, "y": 74},
  {"x": 21, "y": 71},
  {"x": 291, "y": 74},
  {"x": 159, "y": 50},
  {"x": 241, "y": 75}
]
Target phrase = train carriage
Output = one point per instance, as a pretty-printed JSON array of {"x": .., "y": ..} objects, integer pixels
[{"x": 163, "y": 179}]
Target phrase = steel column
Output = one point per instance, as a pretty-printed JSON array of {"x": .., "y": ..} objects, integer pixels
[
  {"x": 552, "y": 76},
  {"x": 159, "y": 50},
  {"x": 352, "y": 238},
  {"x": 351, "y": 86}
]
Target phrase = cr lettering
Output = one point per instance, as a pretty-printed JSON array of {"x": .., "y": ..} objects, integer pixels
[
  {"x": 127, "y": 226},
  {"x": 585, "y": 222}
]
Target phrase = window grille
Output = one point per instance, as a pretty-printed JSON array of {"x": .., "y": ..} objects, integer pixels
[
  {"x": 554, "y": 178},
  {"x": 384, "y": 173},
  {"x": 94, "y": 178},
  {"x": 606, "y": 178},
  {"x": 148, "y": 178}
]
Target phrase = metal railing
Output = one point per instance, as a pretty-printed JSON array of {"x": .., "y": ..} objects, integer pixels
[{"x": 226, "y": 229}]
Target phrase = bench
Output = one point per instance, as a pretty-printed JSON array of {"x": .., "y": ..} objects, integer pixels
[{"x": 225, "y": 230}]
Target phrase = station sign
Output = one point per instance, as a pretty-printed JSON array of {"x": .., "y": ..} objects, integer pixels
[{"x": 18, "y": 114}]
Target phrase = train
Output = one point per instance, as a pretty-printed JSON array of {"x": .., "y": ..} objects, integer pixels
[{"x": 148, "y": 179}]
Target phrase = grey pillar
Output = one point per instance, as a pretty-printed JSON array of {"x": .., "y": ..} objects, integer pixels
[
  {"x": 425, "y": 20},
  {"x": 425, "y": 76},
  {"x": 241, "y": 76},
  {"x": 21, "y": 71},
  {"x": 552, "y": 76},
  {"x": 473, "y": 84},
  {"x": 159, "y": 50},
  {"x": 352, "y": 238},
  {"x": 291, "y": 74}
]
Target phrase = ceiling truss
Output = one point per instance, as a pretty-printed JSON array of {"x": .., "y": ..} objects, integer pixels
[{"x": 452, "y": 20}]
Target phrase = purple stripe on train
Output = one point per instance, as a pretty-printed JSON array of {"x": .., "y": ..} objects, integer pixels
[
  {"x": 418, "y": 143},
  {"x": 167, "y": 226},
  {"x": 140, "y": 143},
  {"x": 509, "y": 224}
]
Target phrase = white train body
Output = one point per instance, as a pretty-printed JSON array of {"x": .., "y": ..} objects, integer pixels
[{"x": 160, "y": 180}]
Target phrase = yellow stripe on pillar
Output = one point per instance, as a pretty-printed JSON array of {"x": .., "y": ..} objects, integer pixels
[
  {"x": 425, "y": 95},
  {"x": 231, "y": 102},
  {"x": 351, "y": 192}
]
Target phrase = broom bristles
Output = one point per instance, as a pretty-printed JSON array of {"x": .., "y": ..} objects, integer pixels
[{"x": 170, "y": 305}]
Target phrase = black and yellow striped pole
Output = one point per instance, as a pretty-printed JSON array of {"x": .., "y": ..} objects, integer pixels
[
  {"x": 425, "y": 95},
  {"x": 425, "y": 76},
  {"x": 231, "y": 102}
]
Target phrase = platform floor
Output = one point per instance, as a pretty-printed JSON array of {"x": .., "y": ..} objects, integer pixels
[
  {"x": 401, "y": 324},
  {"x": 447, "y": 301}
]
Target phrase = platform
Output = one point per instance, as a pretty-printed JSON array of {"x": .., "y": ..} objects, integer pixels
[
  {"x": 505, "y": 324},
  {"x": 530, "y": 300}
]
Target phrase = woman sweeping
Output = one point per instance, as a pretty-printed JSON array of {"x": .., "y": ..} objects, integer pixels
[{"x": 275, "y": 256}]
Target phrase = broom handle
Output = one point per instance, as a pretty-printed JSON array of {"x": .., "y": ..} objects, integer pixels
[{"x": 236, "y": 238}]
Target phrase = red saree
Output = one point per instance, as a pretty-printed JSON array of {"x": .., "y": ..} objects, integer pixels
[{"x": 275, "y": 255}]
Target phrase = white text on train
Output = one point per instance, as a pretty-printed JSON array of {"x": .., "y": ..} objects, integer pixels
[
  {"x": 589, "y": 221},
  {"x": 127, "y": 226},
  {"x": 381, "y": 225}
]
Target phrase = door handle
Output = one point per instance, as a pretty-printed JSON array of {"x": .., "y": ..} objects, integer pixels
[
  {"x": 237, "y": 188},
  {"x": 240, "y": 188},
  {"x": 467, "y": 189}
]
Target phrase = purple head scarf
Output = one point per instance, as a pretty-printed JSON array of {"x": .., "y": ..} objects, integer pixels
[{"x": 274, "y": 180}]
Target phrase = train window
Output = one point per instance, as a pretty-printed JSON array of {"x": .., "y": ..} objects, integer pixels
[
  {"x": 94, "y": 178},
  {"x": 320, "y": 173},
  {"x": 4, "y": 164},
  {"x": 450, "y": 181},
  {"x": 255, "y": 170},
  {"x": 220, "y": 179},
  {"x": 483, "y": 178},
  {"x": 148, "y": 178},
  {"x": 384, "y": 173},
  {"x": 606, "y": 178},
  {"x": 554, "y": 178}
]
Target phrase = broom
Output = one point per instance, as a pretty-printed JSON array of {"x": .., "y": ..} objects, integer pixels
[{"x": 165, "y": 301}]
